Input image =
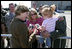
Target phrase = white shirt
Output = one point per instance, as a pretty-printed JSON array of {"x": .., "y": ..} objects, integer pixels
[{"x": 50, "y": 23}]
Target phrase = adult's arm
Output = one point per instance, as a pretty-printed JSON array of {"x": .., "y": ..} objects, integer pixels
[{"x": 60, "y": 29}]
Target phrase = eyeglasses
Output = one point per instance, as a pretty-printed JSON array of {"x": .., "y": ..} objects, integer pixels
[{"x": 34, "y": 14}]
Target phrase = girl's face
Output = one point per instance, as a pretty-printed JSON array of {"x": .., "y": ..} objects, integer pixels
[
  {"x": 46, "y": 15},
  {"x": 33, "y": 15}
]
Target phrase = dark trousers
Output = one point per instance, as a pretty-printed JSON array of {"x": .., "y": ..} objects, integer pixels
[{"x": 57, "y": 43}]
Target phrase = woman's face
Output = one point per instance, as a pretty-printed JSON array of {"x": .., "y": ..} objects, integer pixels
[{"x": 33, "y": 15}]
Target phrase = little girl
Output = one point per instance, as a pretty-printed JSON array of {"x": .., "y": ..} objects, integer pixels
[{"x": 48, "y": 25}]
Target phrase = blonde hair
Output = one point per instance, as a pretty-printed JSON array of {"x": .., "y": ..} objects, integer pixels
[
  {"x": 47, "y": 11},
  {"x": 44, "y": 6},
  {"x": 53, "y": 7},
  {"x": 32, "y": 9}
]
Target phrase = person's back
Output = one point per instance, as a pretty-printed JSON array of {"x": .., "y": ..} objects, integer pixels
[
  {"x": 18, "y": 28},
  {"x": 19, "y": 34}
]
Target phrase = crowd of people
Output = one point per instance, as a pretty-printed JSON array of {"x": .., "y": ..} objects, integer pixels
[{"x": 24, "y": 24}]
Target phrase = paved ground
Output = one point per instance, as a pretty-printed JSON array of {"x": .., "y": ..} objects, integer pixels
[
  {"x": 68, "y": 20},
  {"x": 67, "y": 14}
]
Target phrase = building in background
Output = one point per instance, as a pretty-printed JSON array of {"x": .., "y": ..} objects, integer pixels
[
  {"x": 61, "y": 5},
  {"x": 5, "y": 4}
]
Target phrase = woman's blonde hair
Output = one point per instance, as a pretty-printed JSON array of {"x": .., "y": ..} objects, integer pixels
[
  {"x": 47, "y": 11},
  {"x": 32, "y": 9}
]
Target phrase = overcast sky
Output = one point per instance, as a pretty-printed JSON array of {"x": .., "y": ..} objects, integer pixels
[{"x": 5, "y": 4}]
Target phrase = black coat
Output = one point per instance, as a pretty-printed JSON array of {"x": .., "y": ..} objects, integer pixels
[{"x": 61, "y": 27}]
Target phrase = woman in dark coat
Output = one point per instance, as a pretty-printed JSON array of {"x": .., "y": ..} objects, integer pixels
[{"x": 60, "y": 31}]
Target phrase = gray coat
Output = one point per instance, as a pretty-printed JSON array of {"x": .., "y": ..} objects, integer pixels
[{"x": 8, "y": 18}]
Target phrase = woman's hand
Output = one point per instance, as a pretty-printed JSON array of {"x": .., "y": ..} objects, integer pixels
[
  {"x": 31, "y": 36},
  {"x": 30, "y": 31}
]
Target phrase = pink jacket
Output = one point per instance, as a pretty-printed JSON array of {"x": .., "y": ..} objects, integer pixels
[{"x": 38, "y": 21}]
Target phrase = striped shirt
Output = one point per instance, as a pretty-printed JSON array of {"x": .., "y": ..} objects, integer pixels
[{"x": 50, "y": 23}]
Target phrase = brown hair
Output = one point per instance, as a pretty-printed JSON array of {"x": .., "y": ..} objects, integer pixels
[
  {"x": 11, "y": 4},
  {"x": 21, "y": 9}
]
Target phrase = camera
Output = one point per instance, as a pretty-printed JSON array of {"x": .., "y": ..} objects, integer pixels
[
  {"x": 31, "y": 26},
  {"x": 37, "y": 26}
]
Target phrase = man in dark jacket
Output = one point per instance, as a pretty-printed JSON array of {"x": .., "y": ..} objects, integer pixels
[
  {"x": 18, "y": 28},
  {"x": 60, "y": 31}
]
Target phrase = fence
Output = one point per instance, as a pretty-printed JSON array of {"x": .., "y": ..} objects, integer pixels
[
  {"x": 68, "y": 39},
  {"x": 64, "y": 37}
]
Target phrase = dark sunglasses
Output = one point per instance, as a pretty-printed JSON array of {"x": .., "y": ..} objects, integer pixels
[{"x": 34, "y": 14}]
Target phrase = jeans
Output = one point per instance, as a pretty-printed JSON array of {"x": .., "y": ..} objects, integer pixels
[{"x": 48, "y": 41}]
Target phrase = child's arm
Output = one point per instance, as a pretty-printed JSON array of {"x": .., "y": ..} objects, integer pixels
[
  {"x": 41, "y": 28},
  {"x": 43, "y": 31}
]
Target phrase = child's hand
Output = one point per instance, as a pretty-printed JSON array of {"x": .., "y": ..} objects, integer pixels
[{"x": 41, "y": 28}]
